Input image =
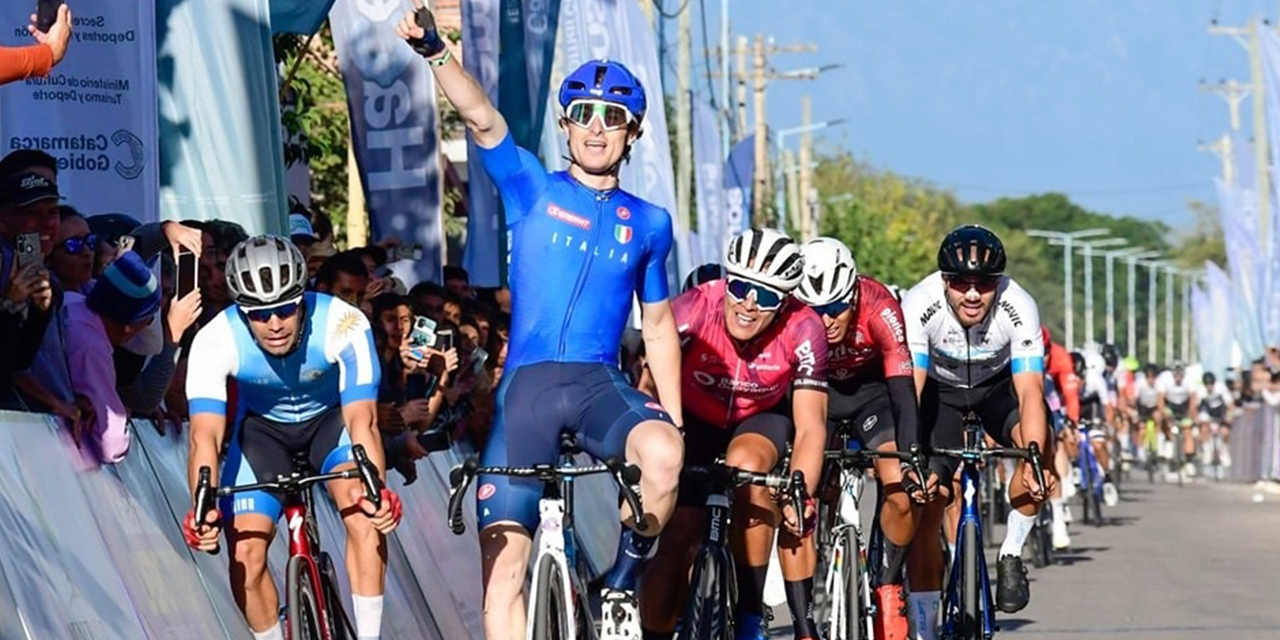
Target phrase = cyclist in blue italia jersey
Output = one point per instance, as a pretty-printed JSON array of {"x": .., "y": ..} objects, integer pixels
[
  {"x": 304, "y": 367},
  {"x": 581, "y": 247}
]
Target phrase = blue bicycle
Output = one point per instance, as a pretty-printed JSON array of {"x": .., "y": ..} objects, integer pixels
[
  {"x": 968, "y": 612},
  {"x": 1092, "y": 475}
]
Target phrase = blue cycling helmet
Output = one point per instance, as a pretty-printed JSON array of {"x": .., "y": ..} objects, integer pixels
[{"x": 605, "y": 80}]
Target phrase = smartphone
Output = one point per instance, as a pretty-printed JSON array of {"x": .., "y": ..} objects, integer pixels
[
  {"x": 423, "y": 334},
  {"x": 187, "y": 272},
  {"x": 124, "y": 244},
  {"x": 444, "y": 339},
  {"x": 409, "y": 252},
  {"x": 478, "y": 358},
  {"x": 434, "y": 440},
  {"x": 27, "y": 246},
  {"x": 47, "y": 13}
]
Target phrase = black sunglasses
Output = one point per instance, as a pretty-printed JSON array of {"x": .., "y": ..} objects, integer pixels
[{"x": 76, "y": 244}]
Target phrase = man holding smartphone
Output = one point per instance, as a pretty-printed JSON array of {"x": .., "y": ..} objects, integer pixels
[
  {"x": 601, "y": 246},
  {"x": 29, "y": 223},
  {"x": 52, "y": 30}
]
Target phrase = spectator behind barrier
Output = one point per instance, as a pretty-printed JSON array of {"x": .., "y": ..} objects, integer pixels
[
  {"x": 427, "y": 299},
  {"x": 451, "y": 310},
  {"x": 122, "y": 303},
  {"x": 457, "y": 281},
  {"x": 301, "y": 232},
  {"x": 72, "y": 257},
  {"x": 18, "y": 63},
  {"x": 28, "y": 204},
  {"x": 344, "y": 276}
]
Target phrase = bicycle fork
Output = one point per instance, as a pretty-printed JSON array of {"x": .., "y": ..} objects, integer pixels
[
  {"x": 850, "y": 519},
  {"x": 554, "y": 547},
  {"x": 953, "y": 627}
]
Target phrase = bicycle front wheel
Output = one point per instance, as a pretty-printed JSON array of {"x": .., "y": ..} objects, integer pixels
[
  {"x": 970, "y": 589},
  {"x": 709, "y": 614},
  {"x": 550, "y": 620},
  {"x": 303, "y": 601}
]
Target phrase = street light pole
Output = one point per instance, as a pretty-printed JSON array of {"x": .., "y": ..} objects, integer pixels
[
  {"x": 1087, "y": 248},
  {"x": 779, "y": 193},
  {"x": 1170, "y": 273},
  {"x": 1131, "y": 345},
  {"x": 1067, "y": 238},
  {"x": 1109, "y": 259},
  {"x": 1153, "y": 292}
]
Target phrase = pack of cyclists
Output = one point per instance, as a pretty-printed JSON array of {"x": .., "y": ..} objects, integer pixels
[{"x": 762, "y": 362}]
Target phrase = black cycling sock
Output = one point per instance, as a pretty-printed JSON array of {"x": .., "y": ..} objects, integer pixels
[
  {"x": 751, "y": 589},
  {"x": 633, "y": 550},
  {"x": 800, "y": 601},
  {"x": 891, "y": 570}
]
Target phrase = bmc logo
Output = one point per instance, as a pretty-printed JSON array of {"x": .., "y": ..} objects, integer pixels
[{"x": 807, "y": 360}]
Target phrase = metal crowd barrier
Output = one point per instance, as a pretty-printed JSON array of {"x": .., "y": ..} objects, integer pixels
[
  {"x": 98, "y": 553},
  {"x": 1255, "y": 444}
]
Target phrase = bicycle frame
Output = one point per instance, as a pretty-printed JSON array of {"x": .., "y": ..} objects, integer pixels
[
  {"x": 557, "y": 544},
  {"x": 1091, "y": 477},
  {"x": 848, "y": 510},
  {"x": 970, "y": 485}
]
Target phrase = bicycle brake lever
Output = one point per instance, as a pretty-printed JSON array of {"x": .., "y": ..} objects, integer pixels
[
  {"x": 627, "y": 476},
  {"x": 204, "y": 498},
  {"x": 368, "y": 476},
  {"x": 1036, "y": 466},
  {"x": 459, "y": 479}
]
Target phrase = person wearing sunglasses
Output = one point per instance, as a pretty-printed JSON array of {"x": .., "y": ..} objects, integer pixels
[
  {"x": 72, "y": 258},
  {"x": 872, "y": 387},
  {"x": 754, "y": 383},
  {"x": 306, "y": 373},
  {"x": 581, "y": 249},
  {"x": 974, "y": 336}
]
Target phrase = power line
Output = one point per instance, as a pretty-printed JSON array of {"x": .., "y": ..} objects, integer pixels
[
  {"x": 671, "y": 16},
  {"x": 1080, "y": 192}
]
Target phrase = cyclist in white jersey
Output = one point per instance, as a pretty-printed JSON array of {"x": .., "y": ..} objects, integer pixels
[
  {"x": 1216, "y": 412},
  {"x": 306, "y": 377},
  {"x": 1179, "y": 404},
  {"x": 975, "y": 340}
]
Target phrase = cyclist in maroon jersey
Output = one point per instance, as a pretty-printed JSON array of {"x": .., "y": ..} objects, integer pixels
[
  {"x": 870, "y": 374},
  {"x": 753, "y": 381}
]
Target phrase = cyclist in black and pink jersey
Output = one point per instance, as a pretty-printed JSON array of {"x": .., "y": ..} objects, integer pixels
[
  {"x": 869, "y": 370},
  {"x": 754, "y": 381}
]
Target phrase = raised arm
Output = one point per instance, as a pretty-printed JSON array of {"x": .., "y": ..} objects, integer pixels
[{"x": 486, "y": 124}]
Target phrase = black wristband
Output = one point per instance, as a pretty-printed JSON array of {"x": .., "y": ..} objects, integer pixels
[{"x": 430, "y": 44}]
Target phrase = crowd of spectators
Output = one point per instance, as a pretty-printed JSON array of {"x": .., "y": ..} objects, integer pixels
[{"x": 93, "y": 332}]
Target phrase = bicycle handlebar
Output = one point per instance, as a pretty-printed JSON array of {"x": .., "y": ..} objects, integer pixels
[
  {"x": 625, "y": 476},
  {"x": 1031, "y": 454},
  {"x": 295, "y": 482},
  {"x": 865, "y": 458},
  {"x": 792, "y": 484}
]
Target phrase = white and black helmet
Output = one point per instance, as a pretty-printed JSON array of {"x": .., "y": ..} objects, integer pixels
[
  {"x": 265, "y": 271},
  {"x": 830, "y": 273},
  {"x": 765, "y": 256}
]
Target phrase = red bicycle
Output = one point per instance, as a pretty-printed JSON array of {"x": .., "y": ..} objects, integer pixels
[{"x": 312, "y": 605}]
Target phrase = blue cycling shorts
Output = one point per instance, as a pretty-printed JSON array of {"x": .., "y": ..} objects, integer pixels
[{"x": 534, "y": 405}]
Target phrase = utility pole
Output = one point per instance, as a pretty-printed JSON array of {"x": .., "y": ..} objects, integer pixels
[
  {"x": 805, "y": 228},
  {"x": 1248, "y": 37},
  {"x": 1234, "y": 93},
  {"x": 1067, "y": 240},
  {"x": 740, "y": 124},
  {"x": 760, "y": 182},
  {"x": 792, "y": 174},
  {"x": 726, "y": 134},
  {"x": 684, "y": 126},
  {"x": 1222, "y": 148}
]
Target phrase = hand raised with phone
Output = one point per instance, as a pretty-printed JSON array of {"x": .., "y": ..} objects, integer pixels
[{"x": 55, "y": 32}]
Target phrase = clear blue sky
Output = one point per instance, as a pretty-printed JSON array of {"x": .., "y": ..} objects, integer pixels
[{"x": 1098, "y": 99}]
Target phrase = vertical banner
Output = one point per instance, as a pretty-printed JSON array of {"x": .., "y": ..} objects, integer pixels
[
  {"x": 540, "y": 20},
  {"x": 618, "y": 30},
  {"x": 392, "y": 100},
  {"x": 221, "y": 151},
  {"x": 485, "y": 252},
  {"x": 516, "y": 105},
  {"x": 96, "y": 111},
  {"x": 709, "y": 181},
  {"x": 1244, "y": 258},
  {"x": 1269, "y": 300},
  {"x": 737, "y": 186}
]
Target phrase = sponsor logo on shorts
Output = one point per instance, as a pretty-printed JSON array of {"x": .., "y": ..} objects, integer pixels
[
  {"x": 486, "y": 491},
  {"x": 870, "y": 423},
  {"x": 654, "y": 406},
  {"x": 564, "y": 216}
]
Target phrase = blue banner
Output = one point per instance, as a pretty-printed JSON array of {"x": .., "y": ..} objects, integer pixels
[
  {"x": 1269, "y": 298},
  {"x": 220, "y": 144},
  {"x": 485, "y": 252},
  {"x": 392, "y": 100},
  {"x": 709, "y": 181},
  {"x": 737, "y": 186},
  {"x": 1244, "y": 258},
  {"x": 618, "y": 30},
  {"x": 540, "y": 20},
  {"x": 298, "y": 16}
]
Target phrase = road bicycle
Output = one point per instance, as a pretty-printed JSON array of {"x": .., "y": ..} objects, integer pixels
[
  {"x": 848, "y": 611},
  {"x": 1092, "y": 475},
  {"x": 558, "y": 603},
  {"x": 967, "y": 609},
  {"x": 713, "y": 599},
  {"x": 313, "y": 609}
]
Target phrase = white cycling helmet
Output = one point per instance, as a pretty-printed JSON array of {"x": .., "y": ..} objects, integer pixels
[
  {"x": 830, "y": 273},
  {"x": 765, "y": 256},
  {"x": 265, "y": 271}
]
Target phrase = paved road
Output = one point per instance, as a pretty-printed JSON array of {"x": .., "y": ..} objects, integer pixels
[{"x": 1198, "y": 562}]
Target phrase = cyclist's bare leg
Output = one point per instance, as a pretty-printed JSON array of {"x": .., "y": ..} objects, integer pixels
[
  {"x": 366, "y": 548},
  {"x": 798, "y": 557},
  {"x": 1019, "y": 496},
  {"x": 897, "y": 514},
  {"x": 751, "y": 537},
  {"x": 658, "y": 449},
  {"x": 951, "y": 523},
  {"x": 504, "y": 552},
  {"x": 924, "y": 558},
  {"x": 248, "y": 538},
  {"x": 665, "y": 585}
]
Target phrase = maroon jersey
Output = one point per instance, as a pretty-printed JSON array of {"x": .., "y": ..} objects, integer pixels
[
  {"x": 725, "y": 382},
  {"x": 875, "y": 346}
]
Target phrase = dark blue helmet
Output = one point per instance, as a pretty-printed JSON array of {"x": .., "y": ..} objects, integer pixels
[{"x": 605, "y": 80}]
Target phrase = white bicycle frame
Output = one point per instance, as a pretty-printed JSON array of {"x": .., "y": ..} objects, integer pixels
[
  {"x": 551, "y": 548},
  {"x": 848, "y": 517}
]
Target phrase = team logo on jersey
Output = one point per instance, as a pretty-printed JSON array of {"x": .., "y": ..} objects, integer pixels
[
  {"x": 807, "y": 359},
  {"x": 891, "y": 319},
  {"x": 568, "y": 217},
  {"x": 1013, "y": 313},
  {"x": 349, "y": 322},
  {"x": 704, "y": 378},
  {"x": 928, "y": 312},
  {"x": 486, "y": 491},
  {"x": 622, "y": 233},
  {"x": 624, "y": 213}
]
